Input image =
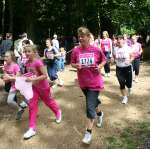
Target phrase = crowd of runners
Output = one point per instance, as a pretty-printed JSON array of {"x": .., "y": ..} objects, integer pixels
[{"x": 89, "y": 56}]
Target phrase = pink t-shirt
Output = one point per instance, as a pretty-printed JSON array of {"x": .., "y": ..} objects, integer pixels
[
  {"x": 136, "y": 50},
  {"x": 34, "y": 68},
  {"x": 11, "y": 69},
  {"x": 89, "y": 59},
  {"x": 106, "y": 45}
]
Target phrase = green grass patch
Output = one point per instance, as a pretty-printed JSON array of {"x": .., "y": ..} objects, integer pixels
[{"x": 136, "y": 136}]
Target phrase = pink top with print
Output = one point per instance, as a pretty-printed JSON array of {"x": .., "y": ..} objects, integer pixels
[
  {"x": 11, "y": 69},
  {"x": 136, "y": 50},
  {"x": 89, "y": 59},
  {"x": 106, "y": 45},
  {"x": 34, "y": 68}
]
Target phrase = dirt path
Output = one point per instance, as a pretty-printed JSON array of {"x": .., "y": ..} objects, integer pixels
[{"x": 69, "y": 133}]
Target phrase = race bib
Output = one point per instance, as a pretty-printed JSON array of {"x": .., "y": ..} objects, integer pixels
[
  {"x": 49, "y": 55},
  {"x": 106, "y": 48},
  {"x": 87, "y": 59}
]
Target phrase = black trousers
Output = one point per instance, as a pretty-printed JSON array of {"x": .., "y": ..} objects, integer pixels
[{"x": 124, "y": 76}]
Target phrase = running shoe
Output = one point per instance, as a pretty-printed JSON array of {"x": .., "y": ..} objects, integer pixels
[
  {"x": 30, "y": 133},
  {"x": 87, "y": 138},
  {"x": 100, "y": 120}
]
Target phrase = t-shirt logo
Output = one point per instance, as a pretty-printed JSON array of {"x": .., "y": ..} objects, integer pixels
[
  {"x": 49, "y": 54},
  {"x": 87, "y": 59}
]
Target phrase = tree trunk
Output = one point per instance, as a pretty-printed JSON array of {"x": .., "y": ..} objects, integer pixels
[
  {"x": 3, "y": 17},
  {"x": 10, "y": 6}
]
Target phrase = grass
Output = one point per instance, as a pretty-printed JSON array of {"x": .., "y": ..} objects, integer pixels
[{"x": 136, "y": 136}]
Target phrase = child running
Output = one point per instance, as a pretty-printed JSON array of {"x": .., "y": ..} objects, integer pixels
[
  {"x": 11, "y": 70},
  {"x": 123, "y": 57},
  {"x": 137, "y": 51},
  {"x": 51, "y": 54},
  {"x": 40, "y": 88},
  {"x": 106, "y": 46},
  {"x": 88, "y": 60}
]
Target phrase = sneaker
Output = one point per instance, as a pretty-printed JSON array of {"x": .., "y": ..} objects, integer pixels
[
  {"x": 23, "y": 104},
  {"x": 59, "y": 117},
  {"x": 125, "y": 100},
  {"x": 87, "y": 138},
  {"x": 136, "y": 80},
  {"x": 129, "y": 91},
  {"x": 60, "y": 83},
  {"x": 30, "y": 133},
  {"x": 108, "y": 74},
  {"x": 100, "y": 120},
  {"x": 19, "y": 114}
]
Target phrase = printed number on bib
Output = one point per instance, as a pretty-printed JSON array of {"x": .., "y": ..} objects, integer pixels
[{"x": 87, "y": 59}]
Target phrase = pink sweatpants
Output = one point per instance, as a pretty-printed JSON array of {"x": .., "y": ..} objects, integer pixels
[{"x": 44, "y": 95}]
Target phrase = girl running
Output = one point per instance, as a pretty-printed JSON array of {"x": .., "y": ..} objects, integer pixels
[
  {"x": 11, "y": 70},
  {"x": 51, "y": 54},
  {"x": 106, "y": 46},
  {"x": 123, "y": 57},
  {"x": 40, "y": 89},
  {"x": 137, "y": 51},
  {"x": 89, "y": 60}
]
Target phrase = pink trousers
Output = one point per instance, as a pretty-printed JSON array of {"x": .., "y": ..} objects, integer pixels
[{"x": 44, "y": 95}]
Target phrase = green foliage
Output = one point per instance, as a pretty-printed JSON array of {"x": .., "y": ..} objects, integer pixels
[
  {"x": 134, "y": 137},
  {"x": 43, "y": 17},
  {"x": 127, "y": 30}
]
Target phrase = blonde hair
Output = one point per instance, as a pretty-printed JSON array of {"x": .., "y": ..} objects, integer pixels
[
  {"x": 12, "y": 55},
  {"x": 83, "y": 31},
  {"x": 32, "y": 47},
  {"x": 106, "y": 32}
]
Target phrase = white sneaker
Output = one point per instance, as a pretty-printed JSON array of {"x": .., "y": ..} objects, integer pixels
[
  {"x": 136, "y": 80},
  {"x": 61, "y": 83},
  {"x": 59, "y": 117},
  {"x": 30, "y": 133},
  {"x": 108, "y": 74},
  {"x": 125, "y": 100},
  {"x": 87, "y": 138},
  {"x": 23, "y": 104},
  {"x": 100, "y": 120}
]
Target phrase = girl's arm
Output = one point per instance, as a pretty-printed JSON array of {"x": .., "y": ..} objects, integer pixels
[
  {"x": 43, "y": 76},
  {"x": 111, "y": 48},
  {"x": 77, "y": 66},
  {"x": 8, "y": 77}
]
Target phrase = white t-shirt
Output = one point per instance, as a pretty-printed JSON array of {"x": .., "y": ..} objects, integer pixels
[
  {"x": 55, "y": 43},
  {"x": 122, "y": 56},
  {"x": 20, "y": 47}
]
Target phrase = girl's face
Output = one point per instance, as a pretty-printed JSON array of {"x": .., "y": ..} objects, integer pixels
[
  {"x": 120, "y": 42},
  {"x": 104, "y": 35},
  {"x": 48, "y": 44},
  {"x": 83, "y": 39},
  {"x": 134, "y": 39},
  {"x": 8, "y": 58},
  {"x": 29, "y": 53}
]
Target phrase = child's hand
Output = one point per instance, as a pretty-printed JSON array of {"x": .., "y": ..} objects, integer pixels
[
  {"x": 29, "y": 79},
  {"x": 78, "y": 66},
  {"x": 6, "y": 77}
]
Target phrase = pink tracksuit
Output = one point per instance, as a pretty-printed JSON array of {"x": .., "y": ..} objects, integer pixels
[{"x": 42, "y": 90}]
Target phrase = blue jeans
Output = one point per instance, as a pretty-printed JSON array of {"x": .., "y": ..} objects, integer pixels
[
  {"x": 62, "y": 63},
  {"x": 52, "y": 71}
]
